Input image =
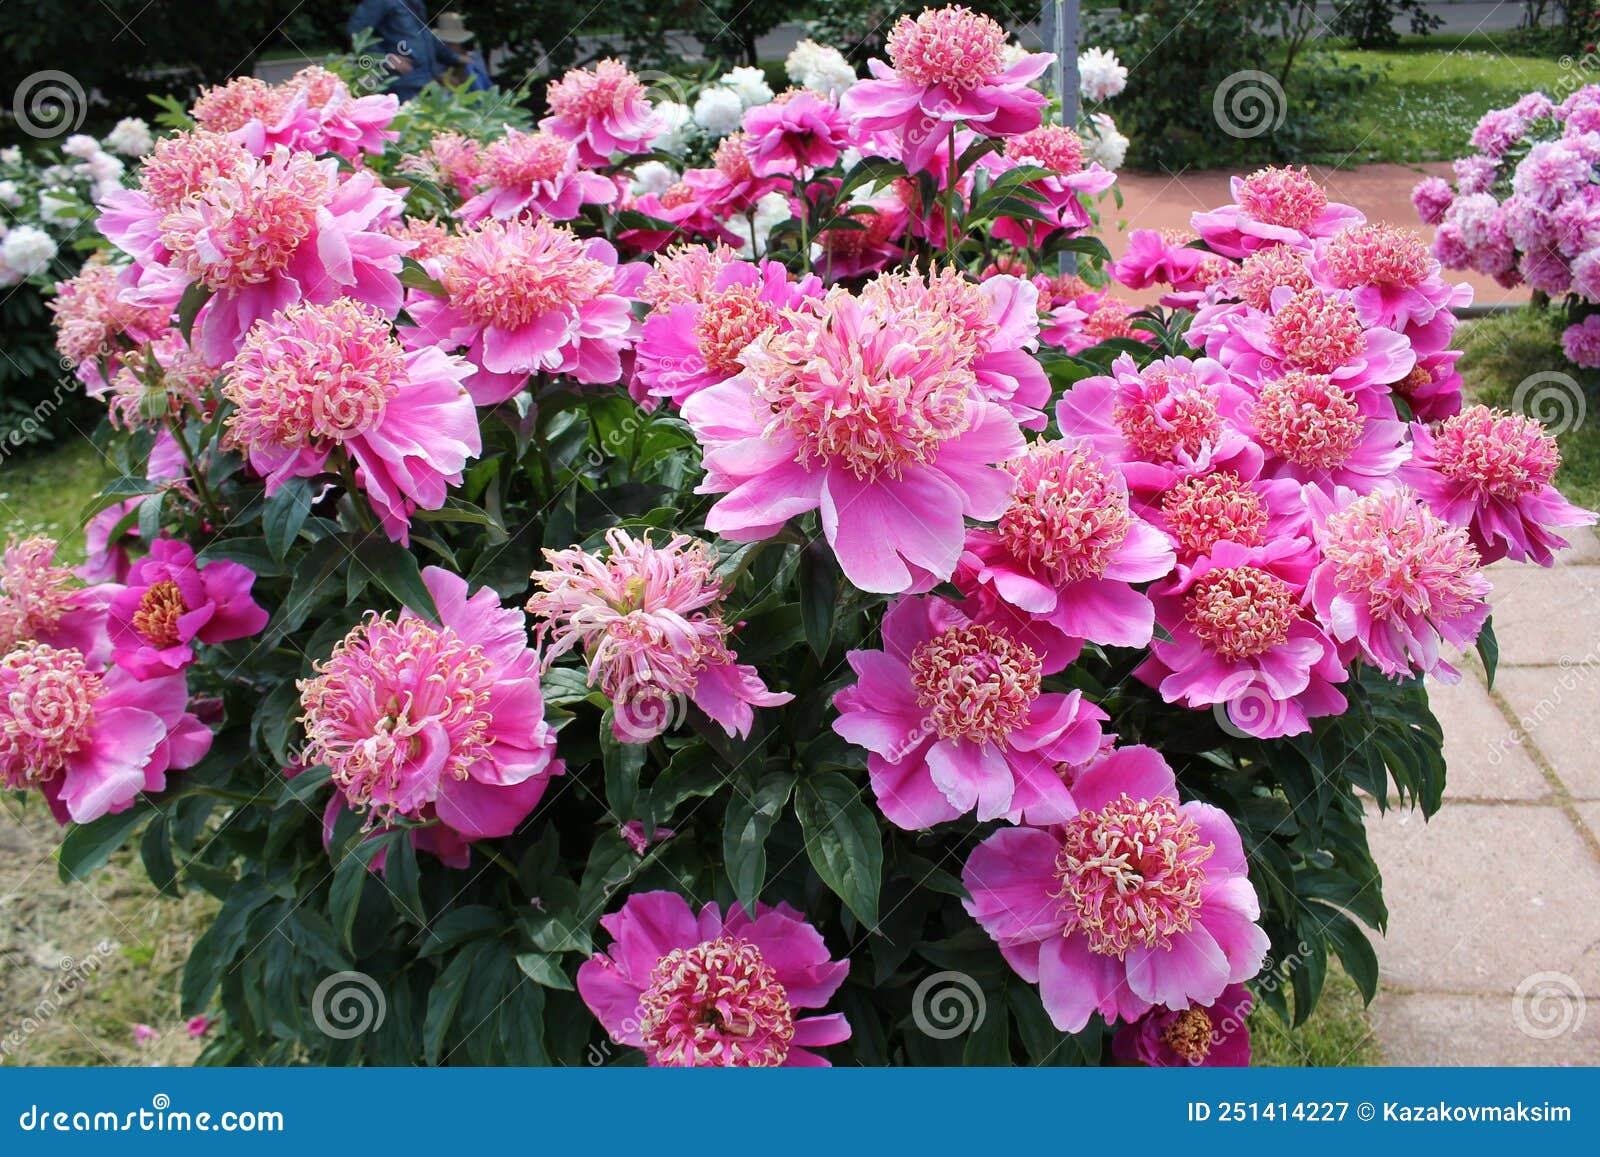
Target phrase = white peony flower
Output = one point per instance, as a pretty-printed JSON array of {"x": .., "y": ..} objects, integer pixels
[
  {"x": 1103, "y": 145},
  {"x": 27, "y": 250},
  {"x": 750, "y": 84},
  {"x": 58, "y": 208},
  {"x": 11, "y": 156},
  {"x": 771, "y": 210},
  {"x": 652, "y": 177},
  {"x": 1101, "y": 75},
  {"x": 820, "y": 68},
  {"x": 10, "y": 195},
  {"x": 131, "y": 138},
  {"x": 677, "y": 126},
  {"x": 103, "y": 168},
  {"x": 81, "y": 145},
  {"x": 718, "y": 110}
]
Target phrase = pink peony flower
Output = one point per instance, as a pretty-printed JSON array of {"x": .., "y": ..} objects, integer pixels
[
  {"x": 1396, "y": 583},
  {"x": 316, "y": 378},
  {"x": 1317, "y": 332},
  {"x": 1490, "y": 472},
  {"x": 796, "y": 134},
  {"x": 524, "y": 298},
  {"x": 534, "y": 175},
  {"x": 198, "y": 1026},
  {"x": 954, "y": 719},
  {"x": 1157, "y": 257},
  {"x": 1581, "y": 342},
  {"x": 422, "y": 720},
  {"x": 946, "y": 67},
  {"x": 648, "y": 620},
  {"x": 179, "y": 167},
  {"x": 1066, "y": 552},
  {"x": 171, "y": 602},
  {"x": 714, "y": 990},
  {"x": 92, "y": 321},
  {"x": 1200, "y": 511},
  {"x": 698, "y": 342},
  {"x": 869, "y": 242},
  {"x": 1393, "y": 279},
  {"x": 314, "y": 111},
  {"x": 286, "y": 229},
  {"x": 603, "y": 109},
  {"x": 1238, "y": 638},
  {"x": 43, "y": 602},
  {"x": 1314, "y": 431},
  {"x": 1497, "y": 130},
  {"x": 90, "y": 740},
  {"x": 1273, "y": 206},
  {"x": 1057, "y": 148},
  {"x": 450, "y": 160},
  {"x": 876, "y": 417},
  {"x": 144, "y": 1035},
  {"x": 1136, "y": 901},
  {"x": 1431, "y": 198},
  {"x": 1213, "y": 1035}
]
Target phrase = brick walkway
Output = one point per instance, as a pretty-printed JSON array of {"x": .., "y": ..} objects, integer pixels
[{"x": 1500, "y": 892}]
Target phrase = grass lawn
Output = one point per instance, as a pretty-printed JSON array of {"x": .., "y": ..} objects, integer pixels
[
  {"x": 1337, "y": 1035},
  {"x": 43, "y": 492},
  {"x": 1505, "y": 349},
  {"x": 1431, "y": 92}
]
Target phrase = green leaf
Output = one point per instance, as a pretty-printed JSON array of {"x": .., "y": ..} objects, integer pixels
[
  {"x": 544, "y": 968},
  {"x": 283, "y": 516},
  {"x": 155, "y": 850},
  {"x": 461, "y": 925},
  {"x": 819, "y": 596},
  {"x": 623, "y": 763},
  {"x": 444, "y": 998},
  {"x": 1489, "y": 650},
  {"x": 87, "y": 847},
  {"x": 751, "y": 813},
  {"x": 414, "y": 276},
  {"x": 843, "y": 841},
  {"x": 212, "y": 954},
  {"x": 395, "y": 569},
  {"x": 189, "y": 307},
  {"x": 403, "y": 877},
  {"x": 349, "y": 881}
]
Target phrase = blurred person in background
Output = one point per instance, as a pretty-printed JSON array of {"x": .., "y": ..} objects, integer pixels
[{"x": 411, "y": 49}]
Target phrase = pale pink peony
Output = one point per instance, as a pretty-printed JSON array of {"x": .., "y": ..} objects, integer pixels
[
  {"x": 947, "y": 67},
  {"x": 421, "y": 720},
  {"x": 714, "y": 990},
  {"x": 42, "y": 601},
  {"x": 1135, "y": 902},
  {"x": 649, "y": 623},
  {"x": 604, "y": 109},
  {"x": 1431, "y": 199},
  {"x": 319, "y": 378},
  {"x": 955, "y": 720},
  {"x": 1273, "y": 206},
  {"x": 876, "y": 418},
  {"x": 1313, "y": 430},
  {"x": 535, "y": 175}
]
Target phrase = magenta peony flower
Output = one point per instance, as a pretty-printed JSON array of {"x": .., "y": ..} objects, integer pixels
[
  {"x": 90, "y": 740},
  {"x": 1057, "y": 148},
  {"x": 1317, "y": 332},
  {"x": 525, "y": 298},
  {"x": 43, "y": 602},
  {"x": 286, "y": 229},
  {"x": 1213, "y": 1035},
  {"x": 874, "y": 415},
  {"x": 946, "y": 67},
  {"x": 1581, "y": 342},
  {"x": 795, "y": 134},
  {"x": 171, "y": 602},
  {"x": 198, "y": 1026},
  {"x": 1161, "y": 257},
  {"x": 319, "y": 377},
  {"x": 649, "y": 623},
  {"x": 1314, "y": 431},
  {"x": 1067, "y": 550},
  {"x": 419, "y": 720},
  {"x": 697, "y": 342},
  {"x": 954, "y": 719},
  {"x": 1273, "y": 206},
  {"x": 314, "y": 111},
  {"x": 1490, "y": 472},
  {"x": 1239, "y": 638},
  {"x": 712, "y": 990},
  {"x": 603, "y": 109},
  {"x": 1396, "y": 583},
  {"x": 1135, "y": 901},
  {"x": 1393, "y": 279},
  {"x": 534, "y": 175}
]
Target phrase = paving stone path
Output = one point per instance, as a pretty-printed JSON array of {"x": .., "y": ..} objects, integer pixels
[{"x": 1493, "y": 950}]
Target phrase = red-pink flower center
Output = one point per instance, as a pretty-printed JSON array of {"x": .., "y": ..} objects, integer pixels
[
  {"x": 606, "y": 89},
  {"x": 1378, "y": 255},
  {"x": 47, "y": 699},
  {"x": 226, "y": 107},
  {"x": 729, "y": 321},
  {"x": 34, "y": 592},
  {"x": 1210, "y": 508},
  {"x": 1241, "y": 611},
  {"x": 1308, "y": 420},
  {"x": 1110, "y": 319},
  {"x": 732, "y": 158},
  {"x": 1287, "y": 198},
  {"x": 186, "y": 163},
  {"x": 1507, "y": 455},
  {"x": 1132, "y": 874},
  {"x": 398, "y": 707},
  {"x": 160, "y": 608},
  {"x": 508, "y": 274},
  {"x": 312, "y": 375},
  {"x": 1266, "y": 270},
  {"x": 1402, "y": 558},
  {"x": 717, "y": 1003},
  {"x": 950, "y": 46},
  {"x": 1166, "y": 412},
  {"x": 1067, "y": 515},
  {"x": 518, "y": 160},
  {"x": 976, "y": 683},
  {"x": 1317, "y": 331},
  {"x": 1053, "y": 146}
]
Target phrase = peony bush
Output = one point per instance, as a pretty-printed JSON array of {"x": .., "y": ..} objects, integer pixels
[{"x": 626, "y": 625}]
